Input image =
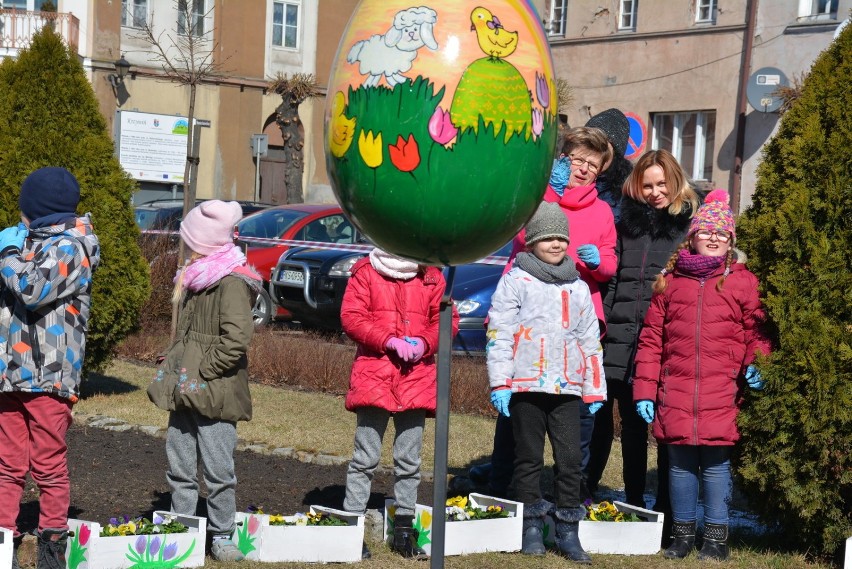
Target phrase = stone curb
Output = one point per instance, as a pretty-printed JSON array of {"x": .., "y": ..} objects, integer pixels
[{"x": 318, "y": 458}]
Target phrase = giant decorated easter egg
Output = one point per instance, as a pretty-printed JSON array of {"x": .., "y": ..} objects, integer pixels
[{"x": 441, "y": 124}]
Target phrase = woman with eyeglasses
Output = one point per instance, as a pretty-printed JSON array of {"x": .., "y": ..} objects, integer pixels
[{"x": 657, "y": 206}]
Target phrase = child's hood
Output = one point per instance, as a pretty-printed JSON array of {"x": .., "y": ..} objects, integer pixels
[{"x": 79, "y": 228}]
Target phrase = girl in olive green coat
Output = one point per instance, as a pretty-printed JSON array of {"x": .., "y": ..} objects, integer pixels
[{"x": 203, "y": 381}]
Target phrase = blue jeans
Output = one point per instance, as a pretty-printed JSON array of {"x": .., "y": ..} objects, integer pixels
[{"x": 713, "y": 464}]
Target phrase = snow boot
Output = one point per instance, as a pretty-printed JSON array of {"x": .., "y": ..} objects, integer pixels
[
  {"x": 533, "y": 536},
  {"x": 405, "y": 538},
  {"x": 683, "y": 535},
  {"x": 51, "y": 549},
  {"x": 715, "y": 543}
]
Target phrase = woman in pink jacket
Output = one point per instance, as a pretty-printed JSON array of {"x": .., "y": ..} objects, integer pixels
[
  {"x": 696, "y": 352},
  {"x": 391, "y": 310}
]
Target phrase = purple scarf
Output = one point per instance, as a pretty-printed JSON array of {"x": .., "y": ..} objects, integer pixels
[
  {"x": 210, "y": 269},
  {"x": 699, "y": 266}
]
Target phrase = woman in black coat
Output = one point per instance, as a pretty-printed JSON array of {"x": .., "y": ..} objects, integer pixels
[{"x": 656, "y": 208}]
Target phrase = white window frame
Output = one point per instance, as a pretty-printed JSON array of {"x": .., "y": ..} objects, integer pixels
[
  {"x": 557, "y": 25},
  {"x": 810, "y": 10},
  {"x": 285, "y": 3},
  {"x": 128, "y": 13},
  {"x": 199, "y": 15},
  {"x": 705, "y": 11},
  {"x": 678, "y": 121},
  {"x": 627, "y": 11}
]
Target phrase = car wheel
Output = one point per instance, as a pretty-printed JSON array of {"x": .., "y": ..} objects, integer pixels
[{"x": 262, "y": 309}]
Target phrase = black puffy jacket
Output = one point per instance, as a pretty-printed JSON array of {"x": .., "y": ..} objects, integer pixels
[{"x": 647, "y": 237}]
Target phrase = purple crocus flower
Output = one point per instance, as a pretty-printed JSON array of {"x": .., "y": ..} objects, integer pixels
[
  {"x": 114, "y": 521},
  {"x": 542, "y": 92},
  {"x": 140, "y": 545},
  {"x": 158, "y": 519},
  {"x": 537, "y": 121},
  {"x": 154, "y": 546},
  {"x": 170, "y": 551}
]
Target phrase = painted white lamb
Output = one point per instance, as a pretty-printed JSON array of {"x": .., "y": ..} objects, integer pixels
[{"x": 391, "y": 55}]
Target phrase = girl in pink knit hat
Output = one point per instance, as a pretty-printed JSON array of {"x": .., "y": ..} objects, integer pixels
[
  {"x": 696, "y": 355},
  {"x": 203, "y": 380}
]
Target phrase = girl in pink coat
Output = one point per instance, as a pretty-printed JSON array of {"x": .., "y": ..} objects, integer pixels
[
  {"x": 696, "y": 350},
  {"x": 391, "y": 310}
]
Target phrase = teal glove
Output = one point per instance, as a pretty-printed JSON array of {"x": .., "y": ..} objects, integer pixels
[
  {"x": 590, "y": 255},
  {"x": 12, "y": 238},
  {"x": 500, "y": 400},
  {"x": 594, "y": 407},
  {"x": 645, "y": 408},
  {"x": 752, "y": 376}
]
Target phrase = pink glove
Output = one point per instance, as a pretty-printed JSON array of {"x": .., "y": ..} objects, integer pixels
[
  {"x": 418, "y": 346},
  {"x": 402, "y": 348}
]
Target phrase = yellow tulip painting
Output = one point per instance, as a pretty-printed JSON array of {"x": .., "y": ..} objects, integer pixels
[{"x": 370, "y": 148}]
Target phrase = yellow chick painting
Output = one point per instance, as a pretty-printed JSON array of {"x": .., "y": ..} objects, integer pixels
[
  {"x": 493, "y": 38},
  {"x": 342, "y": 128}
]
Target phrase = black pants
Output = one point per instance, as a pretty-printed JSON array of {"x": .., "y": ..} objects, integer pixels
[
  {"x": 557, "y": 416},
  {"x": 634, "y": 448}
]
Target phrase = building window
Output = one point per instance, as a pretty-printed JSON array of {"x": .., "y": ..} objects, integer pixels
[
  {"x": 195, "y": 9},
  {"x": 285, "y": 24},
  {"x": 690, "y": 137},
  {"x": 705, "y": 11},
  {"x": 134, "y": 13},
  {"x": 818, "y": 9},
  {"x": 627, "y": 17},
  {"x": 556, "y": 27}
]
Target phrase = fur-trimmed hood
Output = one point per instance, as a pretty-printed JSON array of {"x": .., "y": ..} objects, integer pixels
[{"x": 639, "y": 219}]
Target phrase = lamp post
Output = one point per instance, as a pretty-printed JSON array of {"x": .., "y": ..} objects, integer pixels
[{"x": 122, "y": 66}]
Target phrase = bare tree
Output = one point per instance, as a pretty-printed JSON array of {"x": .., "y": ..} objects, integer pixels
[
  {"x": 294, "y": 90},
  {"x": 186, "y": 56}
]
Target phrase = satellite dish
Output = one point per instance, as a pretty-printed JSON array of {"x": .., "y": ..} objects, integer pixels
[{"x": 762, "y": 89}]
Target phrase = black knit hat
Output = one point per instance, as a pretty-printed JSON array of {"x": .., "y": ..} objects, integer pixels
[
  {"x": 47, "y": 191},
  {"x": 615, "y": 125},
  {"x": 549, "y": 221}
]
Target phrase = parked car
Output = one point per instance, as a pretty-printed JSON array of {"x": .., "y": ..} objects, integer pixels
[
  {"x": 166, "y": 215},
  {"x": 309, "y": 283},
  {"x": 323, "y": 223}
]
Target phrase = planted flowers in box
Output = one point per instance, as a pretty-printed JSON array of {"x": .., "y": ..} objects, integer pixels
[
  {"x": 166, "y": 541},
  {"x": 616, "y": 528},
  {"x": 323, "y": 535},
  {"x": 475, "y": 524}
]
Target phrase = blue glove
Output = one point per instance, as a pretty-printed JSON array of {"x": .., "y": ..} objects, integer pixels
[
  {"x": 500, "y": 400},
  {"x": 13, "y": 237},
  {"x": 594, "y": 407},
  {"x": 752, "y": 376},
  {"x": 560, "y": 174},
  {"x": 590, "y": 255},
  {"x": 645, "y": 408}
]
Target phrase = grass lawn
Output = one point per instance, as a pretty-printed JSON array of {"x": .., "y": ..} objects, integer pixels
[{"x": 318, "y": 422}]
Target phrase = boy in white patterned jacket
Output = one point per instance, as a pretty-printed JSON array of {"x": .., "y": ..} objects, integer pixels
[{"x": 544, "y": 361}]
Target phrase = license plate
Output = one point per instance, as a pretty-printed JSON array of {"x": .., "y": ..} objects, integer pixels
[{"x": 292, "y": 278}]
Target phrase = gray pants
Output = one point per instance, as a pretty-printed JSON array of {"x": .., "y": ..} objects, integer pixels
[
  {"x": 372, "y": 423},
  {"x": 190, "y": 437}
]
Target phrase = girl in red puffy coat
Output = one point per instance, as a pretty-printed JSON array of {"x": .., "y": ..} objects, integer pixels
[
  {"x": 700, "y": 338},
  {"x": 391, "y": 309}
]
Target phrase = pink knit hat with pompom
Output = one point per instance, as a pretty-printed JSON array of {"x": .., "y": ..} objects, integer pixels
[
  {"x": 210, "y": 225},
  {"x": 714, "y": 214}
]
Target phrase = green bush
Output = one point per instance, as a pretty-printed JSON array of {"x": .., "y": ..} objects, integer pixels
[
  {"x": 796, "y": 453},
  {"x": 49, "y": 117}
]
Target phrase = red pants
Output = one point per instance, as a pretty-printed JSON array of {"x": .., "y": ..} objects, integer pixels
[{"x": 32, "y": 439}]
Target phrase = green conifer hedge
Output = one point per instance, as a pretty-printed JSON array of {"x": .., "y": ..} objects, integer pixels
[
  {"x": 49, "y": 117},
  {"x": 796, "y": 451}
]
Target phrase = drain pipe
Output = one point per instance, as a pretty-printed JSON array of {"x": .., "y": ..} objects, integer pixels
[{"x": 745, "y": 70}]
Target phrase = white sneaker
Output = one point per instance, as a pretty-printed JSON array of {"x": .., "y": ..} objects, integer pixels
[{"x": 223, "y": 549}]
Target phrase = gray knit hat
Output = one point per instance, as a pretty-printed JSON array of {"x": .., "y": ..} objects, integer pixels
[
  {"x": 615, "y": 125},
  {"x": 549, "y": 221}
]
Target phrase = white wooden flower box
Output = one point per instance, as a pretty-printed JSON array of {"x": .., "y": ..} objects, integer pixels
[
  {"x": 86, "y": 548},
  {"x": 5, "y": 548},
  {"x": 260, "y": 541},
  {"x": 617, "y": 538},
  {"x": 473, "y": 536}
]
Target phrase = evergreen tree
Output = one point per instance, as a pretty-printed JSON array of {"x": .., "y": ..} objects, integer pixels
[
  {"x": 49, "y": 117},
  {"x": 796, "y": 452}
]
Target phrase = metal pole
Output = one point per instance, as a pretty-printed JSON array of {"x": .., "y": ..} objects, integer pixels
[
  {"x": 257, "y": 172},
  {"x": 745, "y": 70},
  {"x": 442, "y": 424}
]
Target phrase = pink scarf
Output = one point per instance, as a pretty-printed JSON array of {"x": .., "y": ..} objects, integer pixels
[
  {"x": 696, "y": 265},
  {"x": 210, "y": 269}
]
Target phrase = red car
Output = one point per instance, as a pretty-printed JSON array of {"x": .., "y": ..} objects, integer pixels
[{"x": 323, "y": 223}]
